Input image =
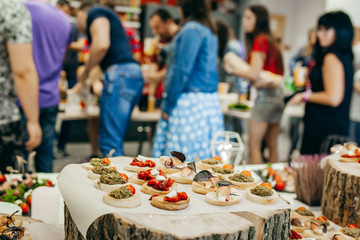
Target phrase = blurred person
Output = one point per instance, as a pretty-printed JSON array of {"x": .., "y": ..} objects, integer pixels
[
  {"x": 51, "y": 31},
  {"x": 164, "y": 28},
  {"x": 304, "y": 56},
  {"x": 123, "y": 82},
  {"x": 191, "y": 112},
  {"x": 229, "y": 43},
  {"x": 17, "y": 71},
  {"x": 70, "y": 65},
  {"x": 263, "y": 54},
  {"x": 132, "y": 34},
  {"x": 354, "y": 132},
  {"x": 328, "y": 99}
]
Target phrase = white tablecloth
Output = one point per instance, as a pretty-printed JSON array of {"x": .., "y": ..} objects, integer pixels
[{"x": 86, "y": 205}]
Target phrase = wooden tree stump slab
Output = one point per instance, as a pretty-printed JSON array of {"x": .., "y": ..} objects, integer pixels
[
  {"x": 341, "y": 193},
  {"x": 269, "y": 225},
  {"x": 227, "y": 226}
]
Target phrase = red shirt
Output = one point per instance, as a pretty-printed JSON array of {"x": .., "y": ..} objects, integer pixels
[
  {"x": 261, "y": 44},
  {"x": 133, "y": 39}
]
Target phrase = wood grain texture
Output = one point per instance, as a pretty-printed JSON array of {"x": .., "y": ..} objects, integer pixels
[
  {"x": 269, "y": 224},
  {"x": 222, "y": 226},
  {"x": 341, "y": 193}
]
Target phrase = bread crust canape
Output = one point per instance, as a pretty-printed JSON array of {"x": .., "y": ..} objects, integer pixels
[
  {"x": 11, "y": 228},
  {"x": 159, "y": 187},
  {"x": 123, "y": 197},
  {"x": 138, "y": 165},
  {"x": 207, "y": 164},
  {"x": 97, "y": 171},
  {"x": 262, "y": 194},
  {"x": 112, "y": 181},
  {"x": 222, "y": 172},
  {"x": 186, "y": 175},
  {"x": 303, "y": 213},
  {"x": 225, "y": 195},
  {"x": 145, "y": 176},
  {"x": 243, "y": 180},
  {"x": 350, "y": 153},
  {"x": 350, "y": 232},
  {"x": 204, "y": 182},
  {"x": 174, "y": 164},
  {"x": 97, "y": 162},
  {"x": 172, "y": 201}
]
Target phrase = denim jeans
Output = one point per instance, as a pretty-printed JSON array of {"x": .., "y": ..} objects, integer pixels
[
  {"x": 354, "y": 131},
  {"x": 44, "y": 153},
  {"x": 123, "y": 85}
]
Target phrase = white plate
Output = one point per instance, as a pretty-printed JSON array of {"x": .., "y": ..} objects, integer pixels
[{"x": 9, "y": 208}]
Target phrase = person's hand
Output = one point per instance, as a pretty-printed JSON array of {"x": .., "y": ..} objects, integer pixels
[
  {"x": 75, "y": 89},
  {"x": 297, "y": 99},
  {"x": 264, "y": 81},
  {"x": 35, "y": 135},
  {"x": 151, "y": 77},
  {"x": 165, "y": 116},
  {"x": 82, "y": 77},
  {"x": 97, "y": 87},
  {"x": 159, "y": 47}
]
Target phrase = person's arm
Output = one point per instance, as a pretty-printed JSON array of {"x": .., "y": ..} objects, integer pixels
[
  {"x": 78, "y": 45},
  {"x": 27, "y": 86},
  {"x": 252, "y": 71},
  {"x": 256, "y": 66},
  {"x": 154, "y": 76},
  {"x": 258, "y": 77},
  {"x": 187, "y": 48},
  {"x": 334, "y": 84},
  {"x": 100, "y": 34}
]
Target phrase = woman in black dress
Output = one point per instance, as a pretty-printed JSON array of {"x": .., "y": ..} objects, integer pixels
[{"x": 328, "y": 98}]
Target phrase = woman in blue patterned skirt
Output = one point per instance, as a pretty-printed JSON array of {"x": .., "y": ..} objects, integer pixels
[{"x": 191, "y": 107}]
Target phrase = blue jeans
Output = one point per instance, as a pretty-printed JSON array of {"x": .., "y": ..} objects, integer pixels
[
  {"x": 44, "y": 153},
  {"x": 354, "y": 131},
  {"x": 123, "y": 85}
]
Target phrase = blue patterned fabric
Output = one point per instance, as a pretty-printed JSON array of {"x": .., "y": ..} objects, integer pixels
[{"x": 192, "y": 123}]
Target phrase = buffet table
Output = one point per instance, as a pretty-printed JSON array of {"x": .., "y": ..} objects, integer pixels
[
  {"x": 137, "y": 115},
  {"x": 86, "y": 215}
]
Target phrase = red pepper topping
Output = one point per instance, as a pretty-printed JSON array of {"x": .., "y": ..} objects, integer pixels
[
  {"x": 178, "y": 197},
  {"x": 147, "y": 163},
  {"x": 295, "y": 235}
]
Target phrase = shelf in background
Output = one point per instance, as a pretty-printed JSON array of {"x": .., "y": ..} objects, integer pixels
[
  {"x": 130, "y": 24},
  {"x": 127, "y": 9},
  {"x": 118, "y": 8},
  {"x": 75, "y": 4}
]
